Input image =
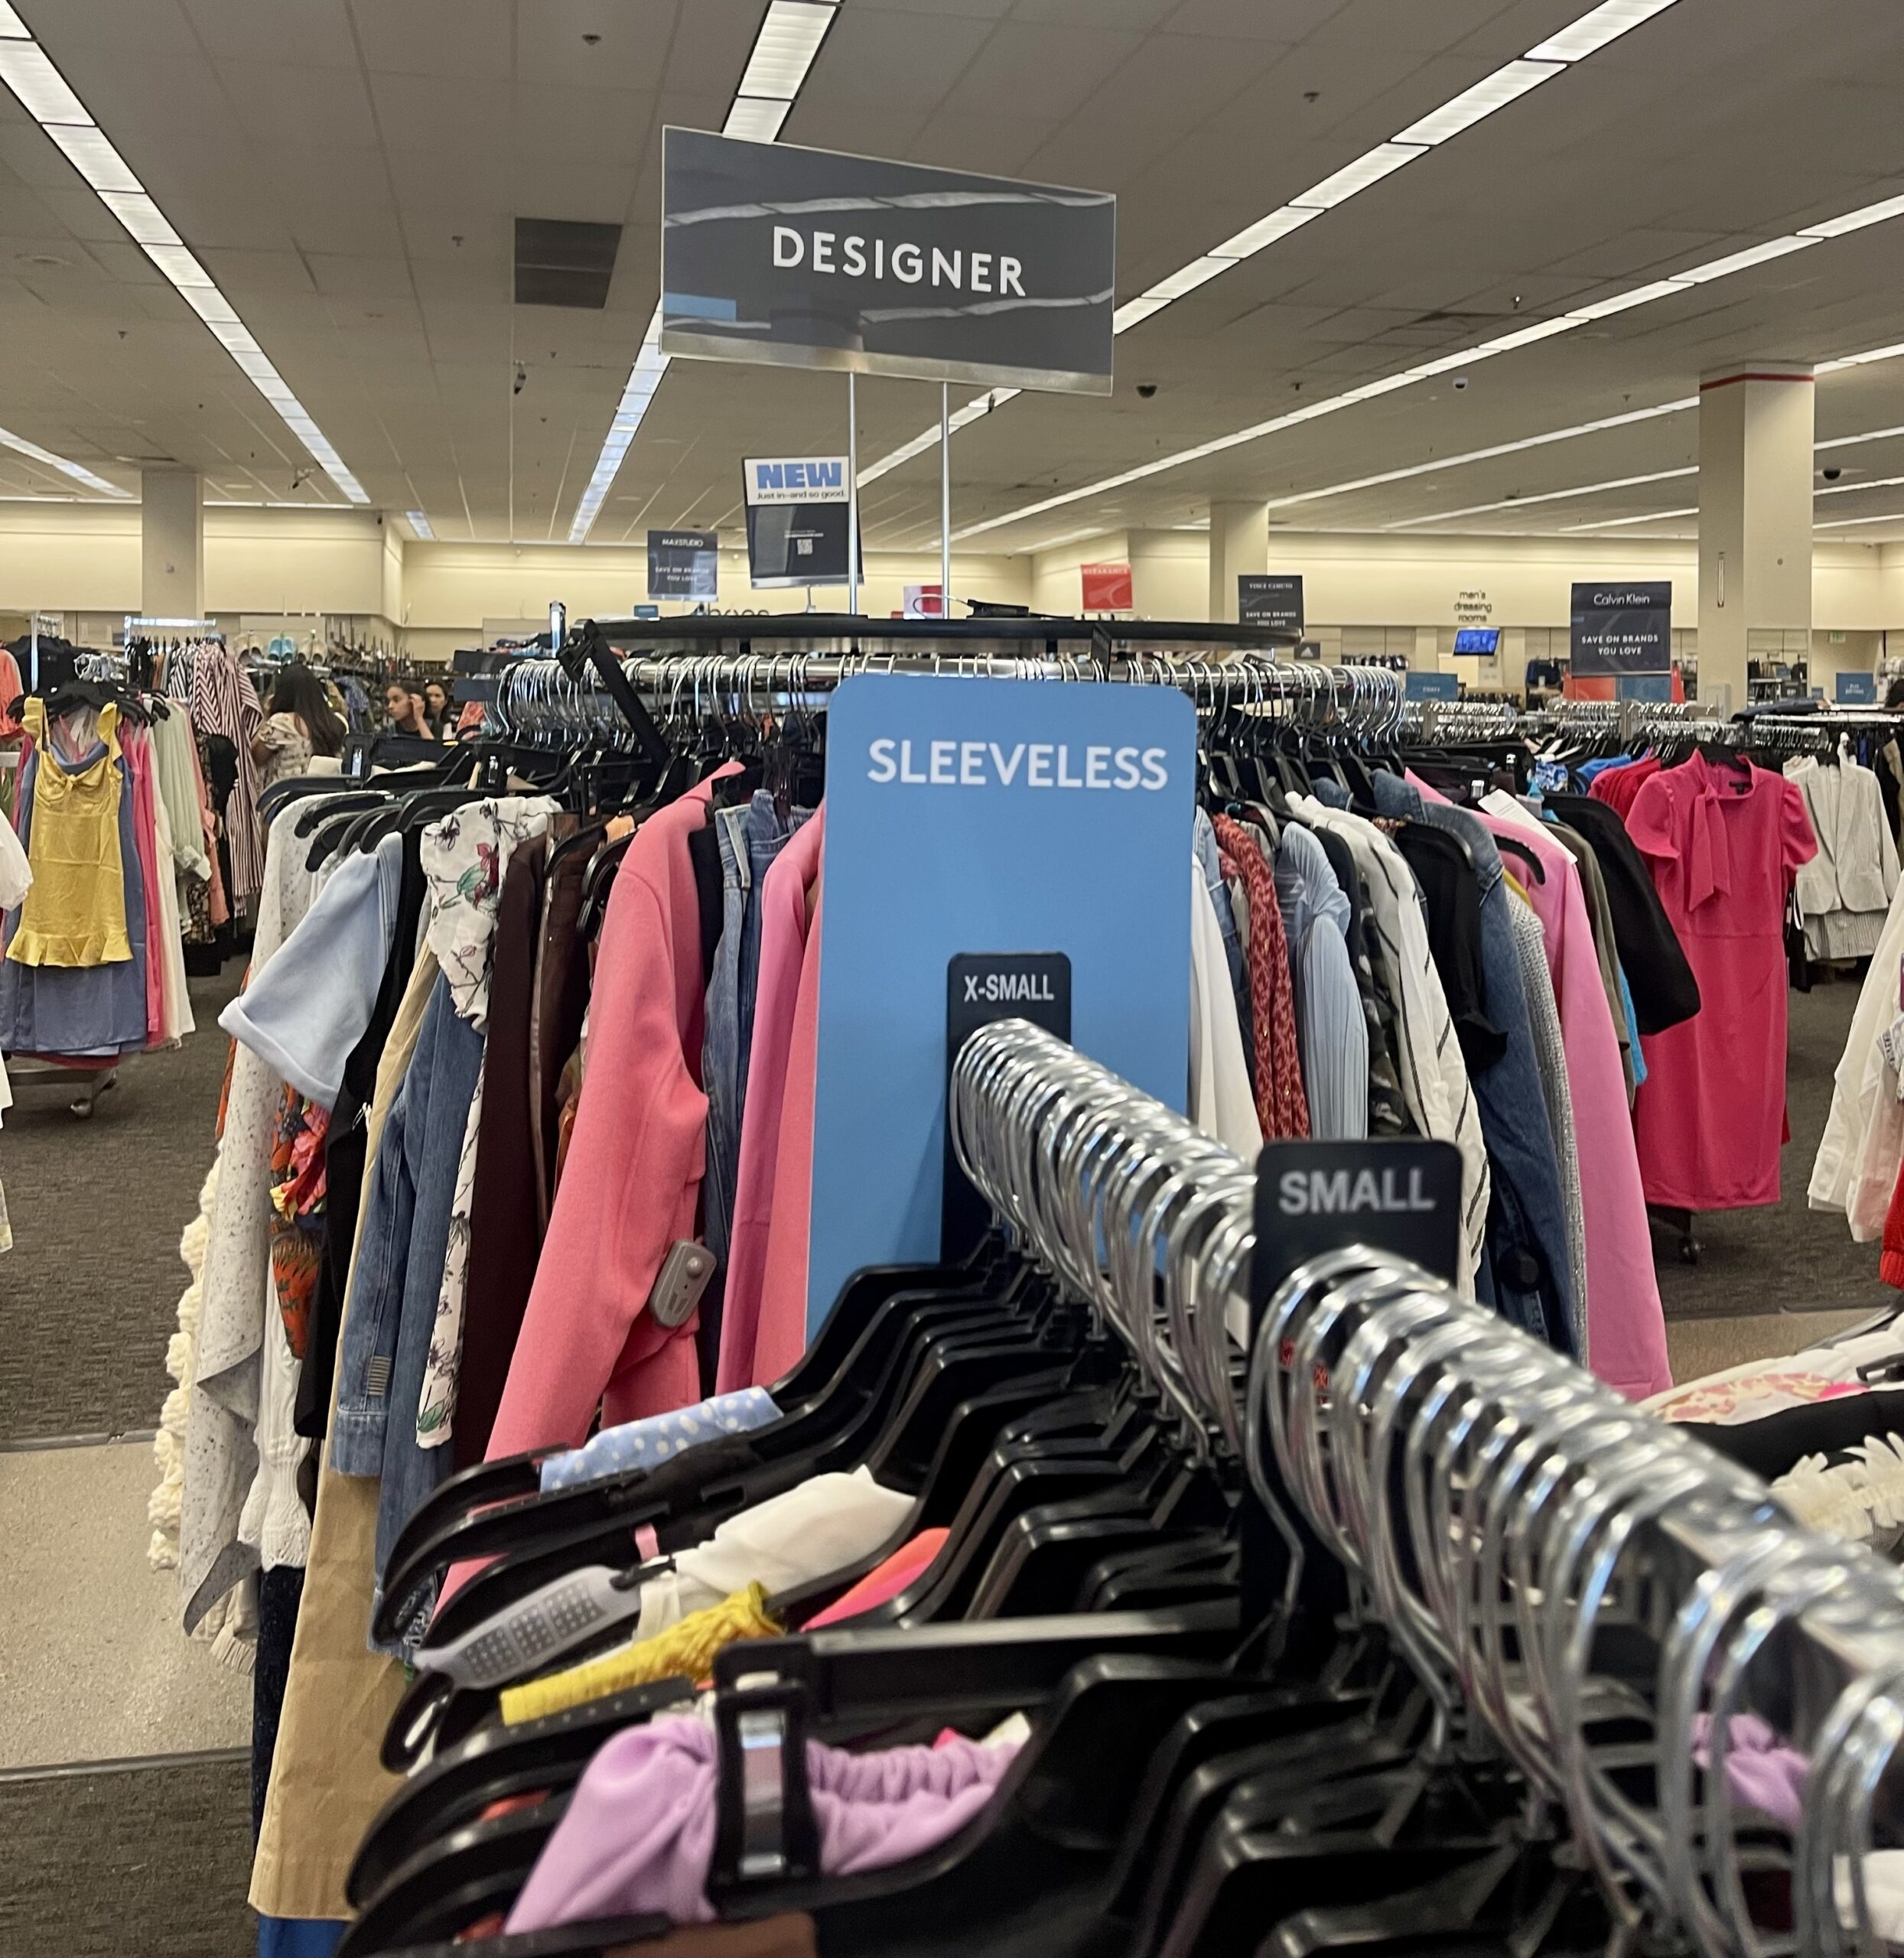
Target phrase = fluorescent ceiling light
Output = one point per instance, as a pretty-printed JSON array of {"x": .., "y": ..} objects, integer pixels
[
  {"x": 178, "y": 265},
  {"x": 1619, "y": 523},
  {"x": 1545, "y": 496},
  {"x": 783, "y": 51},
  {"x": 1738, "y": 262},
  {"x": 142, "y": 217},
  {"x": 755, "y": 120},
  {"x": 75, "y": 470},
  {"x": 1851, "y": 523},
  {"x": 1127, "y": 316},
  {"x": 1492, "y": 92},
  {"x": 1865, "y": 360},
  {"x": 1187, "y": 278},
  {"x": 1488, "y": 454},
  {"x": 1475, "y": 103},
  {"x": 789, "y": 39},
  {"x": 1870, "y": 435},
  {"x": 1857, "y": 220},
  {"x": 43, "y": 93},
  {"x": 1280, "y": 222},
  {"x": 94, "y": 157},
  {"x": 1527, "y": 336},
  {"x": 1624, "y": 302},
  {"x": 420, "y": 523},
  {"x": 1851, "y": 489},
  {"x": 1370, "y": 167},
  {"x": 1256, "y": 431},
  {"x": 1592, "y": 32}
]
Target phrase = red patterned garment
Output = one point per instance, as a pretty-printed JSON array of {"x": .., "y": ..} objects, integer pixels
[
  {"x": 1281, "y": 1106},
  {"x": 297, "y": 1190}
]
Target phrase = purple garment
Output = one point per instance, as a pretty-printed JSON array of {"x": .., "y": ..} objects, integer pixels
[
  {"x": 639, "y": 1833},
  {"x": 1760, "y": 1769}
]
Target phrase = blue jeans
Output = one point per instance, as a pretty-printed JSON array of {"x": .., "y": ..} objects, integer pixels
[
  {"x": 1524, "y": 1276},
  {"x": 751, "y": 835},
  {"x": 399, "y": 1273}
]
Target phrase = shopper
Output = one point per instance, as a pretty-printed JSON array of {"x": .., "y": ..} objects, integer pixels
[
  {"x": 408, "y": 711},
  {"x": 301, "y": 724}
]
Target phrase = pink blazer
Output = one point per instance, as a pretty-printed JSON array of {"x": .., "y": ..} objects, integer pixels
[
  {"x": 755, "y": 1346},
  {"x": 632, "y": 1179}
]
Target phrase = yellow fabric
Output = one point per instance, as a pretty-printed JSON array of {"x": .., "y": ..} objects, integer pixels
[
  {"x": 75, "y": 913},
  {"x": 326, "y": 1781},
  {"x": 686, "y": 1650}
]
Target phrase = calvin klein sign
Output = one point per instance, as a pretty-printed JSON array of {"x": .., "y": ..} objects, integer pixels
[
  {"x": 1620, "y": 629},
  {"x": 804, "y": 257}
]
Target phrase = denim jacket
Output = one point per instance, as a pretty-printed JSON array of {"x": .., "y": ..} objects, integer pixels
[{"x": 399, "y": 1272}]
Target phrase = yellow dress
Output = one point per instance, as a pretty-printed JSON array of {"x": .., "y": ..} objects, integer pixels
[{"x": 75, "y": 913}]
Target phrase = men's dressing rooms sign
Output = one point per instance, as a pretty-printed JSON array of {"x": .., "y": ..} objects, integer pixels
[
  {"x": 1620, "y": 628},
  {"x": 1024, "y": 835},
  {"x": 805, "y": 258}
]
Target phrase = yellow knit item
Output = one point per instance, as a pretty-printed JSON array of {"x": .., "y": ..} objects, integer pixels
[
  {"x": 686, "y": 1650},
  {"x": 75, "y": 913}
]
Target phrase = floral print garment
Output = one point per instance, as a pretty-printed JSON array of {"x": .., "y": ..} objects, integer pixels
[
  {"x": 298, "y": 1193},
  {"x": 463, "y": 857}
]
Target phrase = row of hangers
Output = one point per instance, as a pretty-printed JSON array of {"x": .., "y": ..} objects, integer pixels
[{"x": 1373, "y": 1624}]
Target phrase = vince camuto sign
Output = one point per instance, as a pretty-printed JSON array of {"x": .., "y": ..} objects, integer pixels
[{"x": 805, "y": 258}]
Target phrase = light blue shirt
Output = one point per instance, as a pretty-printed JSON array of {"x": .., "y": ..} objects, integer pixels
[
  {"x": 660, "y": 1438},
  {"x": 1332, "y": 1031}
]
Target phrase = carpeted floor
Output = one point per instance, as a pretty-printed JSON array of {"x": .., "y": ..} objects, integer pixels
[
  {"x": 1787, "y": 1257},
  {"x": 108, "y": 1862},
  {"x": 88, "y": 1294}
]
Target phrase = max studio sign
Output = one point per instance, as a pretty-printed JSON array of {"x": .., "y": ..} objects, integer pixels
[{"x": 807, "y": 258}]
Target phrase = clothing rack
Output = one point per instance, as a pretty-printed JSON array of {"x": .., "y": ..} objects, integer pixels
[
  {"x": 1549, "y": 1559},
  {"x": 536, "y": 696}
]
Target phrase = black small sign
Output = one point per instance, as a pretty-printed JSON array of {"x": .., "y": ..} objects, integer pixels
[
  {"x": 1312, "y": 1197},
  {"x": 1273, "y": 600},
  {"x": 1620, "y": 628},
  {"x": 981, "y": 987},
  {"x": 684, "y": 563}
]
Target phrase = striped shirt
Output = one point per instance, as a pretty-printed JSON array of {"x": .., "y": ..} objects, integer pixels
[
  {"x": 1434, "y": 1077},
  {"x": 225, "y": 702}
]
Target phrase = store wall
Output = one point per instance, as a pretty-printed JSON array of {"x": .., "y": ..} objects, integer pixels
[
  {"x": 1389, "y": 591},
  {"x": 449, "y": 589}
]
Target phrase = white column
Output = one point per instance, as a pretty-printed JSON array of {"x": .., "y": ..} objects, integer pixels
[
  {"x": 1239, "y": 542},
  {"x": 1755, "y": 432},
  {"x": 172, "y": 544}
]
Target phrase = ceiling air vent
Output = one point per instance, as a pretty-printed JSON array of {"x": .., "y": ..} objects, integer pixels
[{"x": 559, "y": 263}]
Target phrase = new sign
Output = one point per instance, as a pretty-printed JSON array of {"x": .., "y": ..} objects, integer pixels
[
  {"x": 1620, "y": 628},
  {"x": 797, "y": 508},
  {"x": 684, "y": 563},
  {"x": 808, "y": 259}
]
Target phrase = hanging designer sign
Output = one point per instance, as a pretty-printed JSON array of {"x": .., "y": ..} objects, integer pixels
[{"x": 803, "y": 257}]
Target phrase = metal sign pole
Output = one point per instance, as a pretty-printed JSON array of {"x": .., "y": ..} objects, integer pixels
[
  {"x": 945, "y": 499},
  {"x": 852, "y": 494}
]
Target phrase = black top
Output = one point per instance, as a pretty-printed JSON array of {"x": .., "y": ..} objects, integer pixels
[
  {"x": 704, "y": 852},
  {"x": 1665, "y": 991},
  {"x": 1446, "y": 873}
]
